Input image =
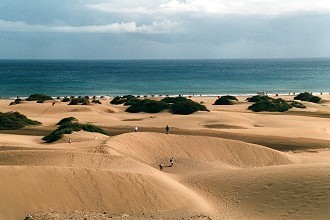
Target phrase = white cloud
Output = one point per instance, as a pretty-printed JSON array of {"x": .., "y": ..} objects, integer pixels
[
  {"x": 129, "y": 27},
  {"x": 120, "y": 8},
  {"x": 221, "y": 7}
]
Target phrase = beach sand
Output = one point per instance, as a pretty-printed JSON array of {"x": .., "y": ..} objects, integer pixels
[{"x": 229, "y": 163}]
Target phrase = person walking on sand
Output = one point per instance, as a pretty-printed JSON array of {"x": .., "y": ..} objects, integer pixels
[
  {"x": 171, "y": 162},
  {"x": 136, "y": 128},
  {"x": 161, "y": 165},
  {"x": 167, "y": 129},
  {"x": 70, "y": 140}
]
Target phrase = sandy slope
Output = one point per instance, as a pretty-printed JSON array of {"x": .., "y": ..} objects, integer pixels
[{"x": 211, "y": 178}]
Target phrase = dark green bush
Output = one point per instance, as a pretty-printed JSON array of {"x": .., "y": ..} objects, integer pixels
[
  {"x": 118, "y": 100},
  {"x": 15, "y": 120},
  {"x": 225, "y": 100},
  {"x": 17, "y": 101},
  {"x": 66, "y": 99},
  {"x": 147, "y": 105},
  {"x": 128, "y": 96},
  {"x": 96, "y": 101},
  {"x": 68, "y": 128},
  {"x": 173, "y": 99},
  {"x": 40, "y": 101},
  {"x": 79, "y": 101},
  {"x": 39, "y": 97},
  {"x": 274, "y": 105},
  {"x": 315, "y": 99},
  {"x": 296, "y": 104},
  {"x": 127, "y": 99},
  {"x": 93, "y": 128},
  {"x": 305, "y": 96},
  {"x": 66, "y": 120},
  {"x": 131, "y": 101},
  {"x": 258, "y": 98},
  {"x": 187, "y": 107}
]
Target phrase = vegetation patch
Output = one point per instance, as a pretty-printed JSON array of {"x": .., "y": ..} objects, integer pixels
[
  {"x": 173, "y": 99},
  {"x": 118, "y": 100},
  {"x": 178, "y": 105},
  {"x": 67, "y": 120},
  {"x": 66, "y": 99},
  {"x": 96, "y": 101},
  {"x": 226, "y": 100},
  {"x": 186, "y": 107},
  {"x": 79, "y": 101},
  {"x": 15, "y": 120},
  {"x": 296, "y": 104},
  {"x": 39, "y": 98},
  {"x": 131, "y": 101},
  {"x": 16, "y": 101},
  {"x": 308, "y": 97},
  {"x": 148, "y": 106},
  {"x": 69, "y": 127},
  {"x": 258, "y": 98},
  {"x": 273, "y": 105}
]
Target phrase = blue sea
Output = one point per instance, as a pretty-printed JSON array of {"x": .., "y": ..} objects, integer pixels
[{"x": 163, "y": 77}]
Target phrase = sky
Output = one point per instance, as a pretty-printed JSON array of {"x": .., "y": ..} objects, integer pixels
[{"x": 164, "y": 29}]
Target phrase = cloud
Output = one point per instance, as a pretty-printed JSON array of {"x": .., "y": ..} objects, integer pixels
[
  {"x": 221, "y": 7},
  {"x": 129, "y": 27},
  {"x": 165, "y": 28}
]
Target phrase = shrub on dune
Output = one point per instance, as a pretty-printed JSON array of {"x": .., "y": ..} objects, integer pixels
[
  {"x": 131, "y": 101},
  {"x": 274, "y": 105},
  {"x": 226, "y": 100},
  {"x": 315, "y": 99},
  {"x": 117, "y": 100},
  {"x": 66, "y": 99},
  {"x": 258, "y": 98},
  {"x": 173, "y": 99},
  {"x": 96, "y": 101},
  {"x": 148, "y": 106},
  {"x": 93, "y": 128},
  {"x": 308, "y": 97},
  {"x": 180, "y": 105},
  {"x": 15, "y": 120},
  {"x": 66, "y": 120},
  {"x": 187, "y": 107},
  {"x": 68, "y": 126},
  {"x": 296, "y": 104},
  {"x": 123, "y": 99},
  {"x": 39, "y": 97},
  {"x": 16, "y": 101},
  {"x": 79, "y": 101}
]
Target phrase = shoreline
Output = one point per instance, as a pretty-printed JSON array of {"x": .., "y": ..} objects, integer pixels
[{"x": 174, "y": 95}]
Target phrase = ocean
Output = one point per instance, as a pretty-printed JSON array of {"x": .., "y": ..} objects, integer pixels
[{"x": 163, "y": 77}]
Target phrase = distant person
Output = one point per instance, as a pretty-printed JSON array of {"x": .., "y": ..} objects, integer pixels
[
  {"x": 53, "y": 103},
  {"x": 167, "y": 129},
  {"x": 171, "y": 162},
  {"x": 161, "y": 165},
  {"x": 136, "y": 128},
  {"x": 70, "y": 140}
]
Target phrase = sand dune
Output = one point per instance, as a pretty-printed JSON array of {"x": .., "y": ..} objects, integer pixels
[
  {"x": 277, "y": 192},
  {"x": 212, "y": 177},
  {"x": 31, "y": 189},
  {"x": 151, "y": 148}
]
